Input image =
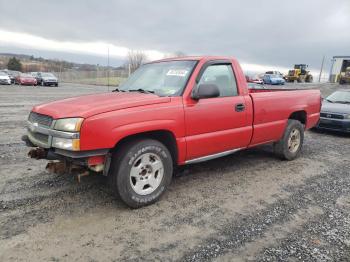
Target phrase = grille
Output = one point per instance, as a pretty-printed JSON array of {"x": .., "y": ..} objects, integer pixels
[
  {"x": 40, "y": 137},
  {"x": 333, "y": 116},
  {"x": 40, "y": 119},
  {"x": 331, "y": 126}
]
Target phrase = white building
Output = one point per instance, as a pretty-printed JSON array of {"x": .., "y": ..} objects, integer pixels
[{"x": 339, "y": 64}]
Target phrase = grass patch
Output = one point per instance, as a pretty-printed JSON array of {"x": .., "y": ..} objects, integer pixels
[{"x": 103, "y": 81}]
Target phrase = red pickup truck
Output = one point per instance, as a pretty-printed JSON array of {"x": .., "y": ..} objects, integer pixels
[{"x": 169, "y": 113}]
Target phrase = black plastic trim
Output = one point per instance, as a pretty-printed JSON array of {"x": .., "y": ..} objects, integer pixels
[{"x": 81, "y": 154}]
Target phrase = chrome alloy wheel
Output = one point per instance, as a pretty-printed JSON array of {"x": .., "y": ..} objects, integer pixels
[
  {"x": 146, "y": 173},
  {"x": 294, "y": 141}
]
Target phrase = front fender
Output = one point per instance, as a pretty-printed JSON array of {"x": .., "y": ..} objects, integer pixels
[{"x": 121, "y": 132}]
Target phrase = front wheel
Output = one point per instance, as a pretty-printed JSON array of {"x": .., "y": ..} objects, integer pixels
[
  {"x": 141, "y": 171},
  {"x": 309, "y": 79},
  {"x": 290, "y": 145}
]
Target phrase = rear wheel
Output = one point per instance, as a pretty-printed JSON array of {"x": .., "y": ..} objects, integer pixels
[
  {"x": 140, "y": 172},
  {"x": 290, "y": 145}
]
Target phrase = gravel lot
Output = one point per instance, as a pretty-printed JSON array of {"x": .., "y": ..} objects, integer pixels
[{"x": 249, "y": 206}]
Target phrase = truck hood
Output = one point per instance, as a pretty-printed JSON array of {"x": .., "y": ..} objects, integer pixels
[{"x": 89, "y": 105}]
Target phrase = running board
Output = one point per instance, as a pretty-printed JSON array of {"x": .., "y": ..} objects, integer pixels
[{"x": 213, "y": 156}]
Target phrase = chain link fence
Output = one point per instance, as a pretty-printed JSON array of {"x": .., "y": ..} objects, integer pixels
[{"x": 98, "y": 77}]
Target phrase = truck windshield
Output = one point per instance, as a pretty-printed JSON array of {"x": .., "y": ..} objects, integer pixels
[{"x": 162, "y": 78}]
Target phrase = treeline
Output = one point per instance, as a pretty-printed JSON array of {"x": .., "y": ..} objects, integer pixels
[{"x": 26, "y": 63}]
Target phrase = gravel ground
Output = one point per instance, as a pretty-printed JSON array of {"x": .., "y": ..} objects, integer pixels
[{"x": 249, "y": 206}]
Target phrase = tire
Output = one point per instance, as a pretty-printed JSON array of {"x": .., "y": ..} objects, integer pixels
[
  {"x": 289, "y": 148},
  {"x": 56, "y": 85},
  {"x": 309, "y": 79},
  {"x": 140, "y": 172}
]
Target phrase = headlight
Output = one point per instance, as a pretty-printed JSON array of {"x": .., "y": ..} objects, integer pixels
[
  {"x": 67, "y": 144},
  {"x": 347, "y": 116},
  {"x": 69, "y": 124}
]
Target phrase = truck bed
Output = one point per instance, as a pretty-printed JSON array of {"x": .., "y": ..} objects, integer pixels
[{"x": 273, "y": 107}]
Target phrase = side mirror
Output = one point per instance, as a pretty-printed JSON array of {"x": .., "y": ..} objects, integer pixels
[{"x": 205, "y": 91}]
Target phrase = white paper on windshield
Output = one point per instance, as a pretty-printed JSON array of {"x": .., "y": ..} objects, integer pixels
[{"x": 177, "y": 72}]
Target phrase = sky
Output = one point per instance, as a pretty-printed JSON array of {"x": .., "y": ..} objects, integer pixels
[{"x": 269, "y": 34}]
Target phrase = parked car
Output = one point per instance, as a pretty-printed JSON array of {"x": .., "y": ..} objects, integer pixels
[
  {"x": 273, "y": 80},
  {"x": 255, "y": 79},
  {"x": 274, "y": 73},
  {"x": 25, "y": 79},
  {"x": 47, "y": 79},
  {"x": 169, "y": 113},
  {"x": 335, "y": 112},
  {"x": 4, "y": 78},
  {"x": 12, "y": 74},
  {"x": 252, "y": 85},
  {"x": 37, "y": 76}
]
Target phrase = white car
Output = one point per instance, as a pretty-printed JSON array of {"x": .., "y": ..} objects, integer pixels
[{"x": 4, "y": 79}]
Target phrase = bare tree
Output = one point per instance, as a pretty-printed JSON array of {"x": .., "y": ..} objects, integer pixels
[{"x": 135, "y": 59}]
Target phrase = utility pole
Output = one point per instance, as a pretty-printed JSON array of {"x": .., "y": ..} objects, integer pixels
[
  {"x": 108, "y": 68},
  {"x": 319, "y": 78},
  {"x": 59, "y": 77},
  {"x": 97, "y": 74}
]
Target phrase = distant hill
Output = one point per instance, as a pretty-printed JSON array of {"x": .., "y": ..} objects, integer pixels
[{"x": 31, "y": 63}]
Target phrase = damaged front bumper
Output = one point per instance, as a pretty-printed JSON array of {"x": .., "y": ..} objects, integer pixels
[
  {"x": 52, "y": 144},
  {"x": 95, "y": 160}
]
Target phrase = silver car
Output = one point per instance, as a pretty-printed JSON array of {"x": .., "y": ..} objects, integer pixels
[{"x": 48, "y": 79}]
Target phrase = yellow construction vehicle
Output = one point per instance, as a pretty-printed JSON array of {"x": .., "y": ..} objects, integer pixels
[
  {"x": 299, "y": 74},
  {"x": 345, "y": 76}
]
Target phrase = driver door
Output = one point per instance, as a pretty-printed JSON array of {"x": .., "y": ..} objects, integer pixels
[{"x": 219, "y": 124}]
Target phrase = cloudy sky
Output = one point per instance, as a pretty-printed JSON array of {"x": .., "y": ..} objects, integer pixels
[{"x": 259, "y": 33}]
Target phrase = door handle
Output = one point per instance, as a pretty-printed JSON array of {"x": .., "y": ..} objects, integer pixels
[{"x": 239, "y": 107}]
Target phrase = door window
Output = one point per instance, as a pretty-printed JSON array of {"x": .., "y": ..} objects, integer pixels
[{"x": 222, "y": 76}]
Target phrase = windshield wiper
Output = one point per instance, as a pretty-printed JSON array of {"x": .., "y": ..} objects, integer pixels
[
  {"x": 140, "y": 90},
  {"x": 329, "y": 100},
  {"x": 342, "y": 102}
]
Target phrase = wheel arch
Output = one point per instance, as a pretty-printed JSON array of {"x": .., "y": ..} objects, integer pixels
[
  {"x": 166, "y": 137},
  {"x": 300, "y": 115}
]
